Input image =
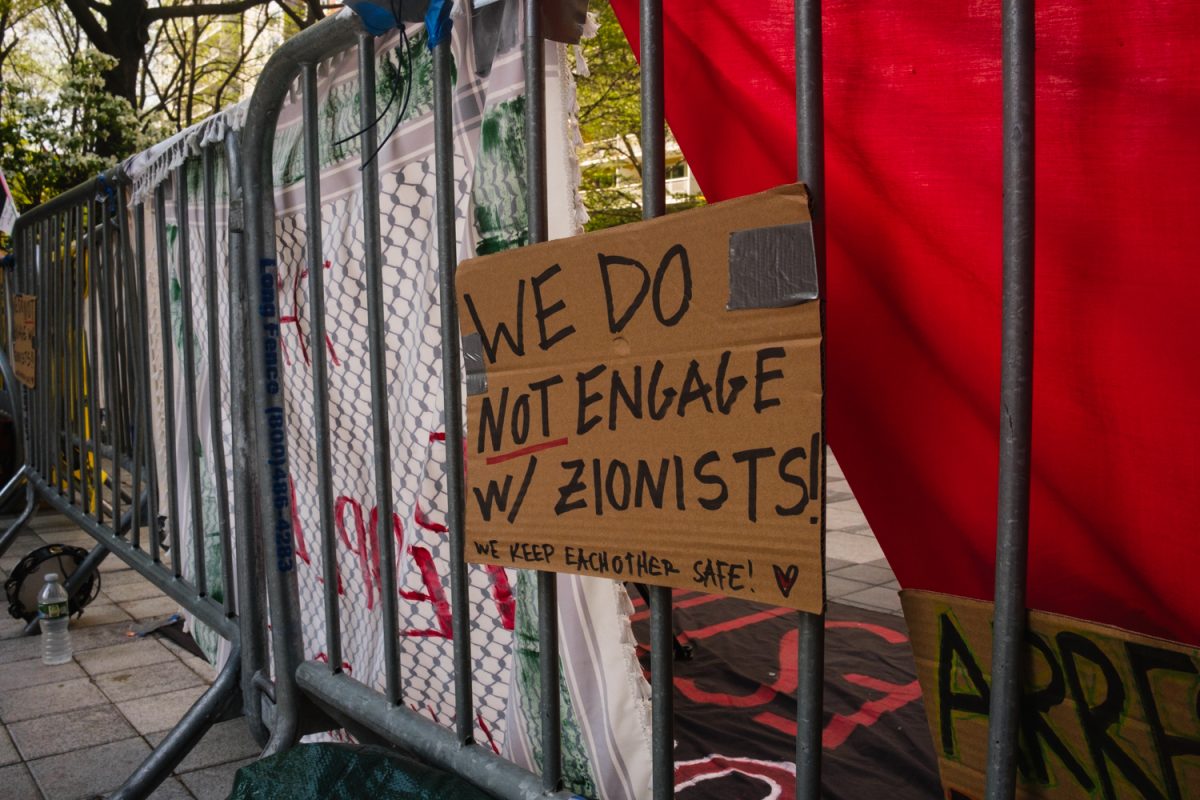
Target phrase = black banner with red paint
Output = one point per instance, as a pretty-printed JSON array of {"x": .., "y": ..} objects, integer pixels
[{"x": 735, "y": 703}]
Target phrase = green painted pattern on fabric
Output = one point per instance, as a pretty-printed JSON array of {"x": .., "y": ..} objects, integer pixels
[
  {"x": 501, "y": 213},
  {"x": 205, "y": 637},
  {"x": 338, "y": 113}
]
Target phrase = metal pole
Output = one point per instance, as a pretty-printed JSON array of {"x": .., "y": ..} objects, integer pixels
[
  {"x": 547, "y": 582},
  {"x": 216, "y": 454},
  {"x": 443, "y": 127},
  {"x": 112, "y": 398},
  {"x": 168, "y": 361},
  {"x": 1016, "y": 398},
  {"x": 810, "y": 169},
  {"x": 93, "y": 366},
  {"x": 376, "y": 333},
  {"x": 654, "y": 204},
  {"x": 143, "y": 322},
  {"x": 191, "y": 421},
  {"x": 320, "y": 374},
  {"x": 252, "y": 627},
  {"x": 265, "y": 393}
]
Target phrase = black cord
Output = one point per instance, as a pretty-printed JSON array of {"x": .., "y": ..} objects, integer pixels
[
  {"x": 407, "y": 95},
  {"x": 382, "y": 114}
]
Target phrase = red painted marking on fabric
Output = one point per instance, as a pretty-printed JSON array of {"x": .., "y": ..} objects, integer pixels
[
  {"x": 638, "y": 602},
  {"x": 297, "y": 533},
  {"x": 695, "y": 601},
  {"x": 740, "y": 622},
  {"x": 887, "y": 634},
  {"x": 325, "y": 659},
  {"x": 524, "y": 451},
  {"x": 483, "y": 727},
  {"x": 423, "y": 521},
  {"x": 435, "y": 594},
  {"x": 506, "y": 604},
  {"x": 896, "y": 696}
]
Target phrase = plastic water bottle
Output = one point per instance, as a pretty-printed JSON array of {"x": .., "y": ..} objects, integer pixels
[{"x": 53, "y": 614}]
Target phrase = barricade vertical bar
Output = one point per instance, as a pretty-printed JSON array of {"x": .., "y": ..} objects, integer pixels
[
  {"x": 29, "y": 285},
  {"x": 112, "y": 399},
  {"x": 86, "y": 495},
  {"x": 1016, "y": 398},
  {"x": 376, "y": 330},
  {"x": 76, "y": 359},
  {"x": 62, "y": 368},
  {"x": 66, "y": 352},
  {"x": 191, "y": 426},
  {"x": 143, "y": 320},
  {"x": 136, "y": 385},
  {"x": 320, "y": 373},
  {"x": 40, "y": 284},
  {"x": 213, "y": 316},
  {"x": 77, "y": 348},
  {"x": 93, "y": 367},
  {"x": 46, "y": 378},
  {"x": 125, "y": 390},
  {"x": 52, "y": 392},
  {"x": 252, "y": 624},
  {"x": 168, "y": 360},
  {"x": 270, "y": 464},
  {"x": 41, "y": 325},
  {"x": 662, "y": 633},
  {"x": 810, "y": 168},
  {"x": 55, "y": 394},
  {"x": 535, "y": 176},
  {"x": 34, "y": 287},
  {"x": 443, "y": 135},
  {"x": 50, "y": 388},
  {"x": 46, "y": 307}
]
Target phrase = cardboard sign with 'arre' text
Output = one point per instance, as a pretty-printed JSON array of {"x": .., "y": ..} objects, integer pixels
[{"x": 644, "y": 403}]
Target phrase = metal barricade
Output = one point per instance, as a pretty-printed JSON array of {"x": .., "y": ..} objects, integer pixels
[
  {"x": 378, "y": 714},
  {"x": 99, "y": 420},
  {"x": 351, "y": 703},
  {"x": 89, "y": 433}
]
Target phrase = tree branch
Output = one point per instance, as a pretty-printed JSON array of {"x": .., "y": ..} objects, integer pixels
[
  {"x": 91, "y": 26},
  {"x": 296, "y": 18},
  {"x": 201, "y": 10}
]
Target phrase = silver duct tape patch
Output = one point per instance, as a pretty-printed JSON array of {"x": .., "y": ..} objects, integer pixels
[
  {"x": 772, "y": 267},
  {"x": 472, "y": 353}
]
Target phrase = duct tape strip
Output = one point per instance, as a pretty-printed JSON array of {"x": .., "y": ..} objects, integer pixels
[
  {"x": 772, "y": 267},
  {"x": 472, "y": 353}
]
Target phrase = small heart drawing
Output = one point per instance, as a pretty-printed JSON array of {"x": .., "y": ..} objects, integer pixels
[{"x": 786, "y": 578}]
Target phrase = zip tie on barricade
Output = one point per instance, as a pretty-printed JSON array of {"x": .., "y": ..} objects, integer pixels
[{"x": 109, "y": 193}]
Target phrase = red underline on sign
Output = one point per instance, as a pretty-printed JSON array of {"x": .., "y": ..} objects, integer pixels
[{"x": 524, "y": 451}]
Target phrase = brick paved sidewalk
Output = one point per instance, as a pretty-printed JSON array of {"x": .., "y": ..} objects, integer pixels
[{"x": 78, "y": 730}]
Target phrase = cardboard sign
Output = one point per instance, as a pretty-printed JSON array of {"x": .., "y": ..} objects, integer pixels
[
  {"x": 644, "y": 403},
  {"x": 24, "y": 325},
  {"x": 1108, "y": 713}
]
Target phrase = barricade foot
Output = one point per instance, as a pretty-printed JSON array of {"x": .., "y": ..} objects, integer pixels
[
  {"x": 10, "y": 535},
  {"x": 206, "y": 712}
]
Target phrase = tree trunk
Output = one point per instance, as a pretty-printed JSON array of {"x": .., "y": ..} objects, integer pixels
[{"x": 128, "y": 32}]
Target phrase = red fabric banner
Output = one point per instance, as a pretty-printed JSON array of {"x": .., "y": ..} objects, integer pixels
[{"x": 913, "y": 143}]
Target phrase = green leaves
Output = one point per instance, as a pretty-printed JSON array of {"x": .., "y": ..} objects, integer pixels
[{"x": 49, "y": 139}]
